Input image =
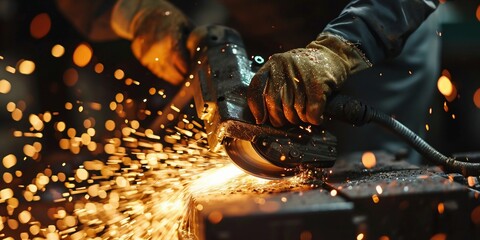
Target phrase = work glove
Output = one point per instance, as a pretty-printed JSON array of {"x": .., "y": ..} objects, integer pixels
[
  {"x": 292, "y": 87},
  {"x": 158, "y": 31}
]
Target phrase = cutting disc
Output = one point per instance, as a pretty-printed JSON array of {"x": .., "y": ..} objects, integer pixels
[{"x": 245, "y": 156}]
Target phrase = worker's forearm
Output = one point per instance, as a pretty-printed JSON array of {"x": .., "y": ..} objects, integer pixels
[{"x": 381, "y": 27}]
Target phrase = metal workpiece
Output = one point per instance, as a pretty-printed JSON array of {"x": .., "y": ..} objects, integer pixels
[
  {"x": 388, "y": 199},
  {"x": 300, "y": 213},
  {"x": 404, "y": 202},
  {"x": 393, "y": 200}
]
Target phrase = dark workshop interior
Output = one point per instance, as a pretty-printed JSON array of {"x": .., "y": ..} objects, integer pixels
[{"x": 94, "y": 145}]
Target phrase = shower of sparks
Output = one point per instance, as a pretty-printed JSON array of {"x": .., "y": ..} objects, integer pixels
[
  {"x": 141, "y": 190},
  {"x": 134, "y": 184}
]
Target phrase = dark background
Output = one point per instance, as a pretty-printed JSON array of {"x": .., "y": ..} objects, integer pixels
[{"x": 44, "y": 89}]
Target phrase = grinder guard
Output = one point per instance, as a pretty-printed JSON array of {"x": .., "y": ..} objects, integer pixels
[{"x": 220, "y": 75}]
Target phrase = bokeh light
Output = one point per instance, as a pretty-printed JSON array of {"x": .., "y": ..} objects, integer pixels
[
  {"x": 70, "y": 77},
  {"x": 5, "y": 86},
  {"x": 58, "y": 50},
  {"x": 82, "y": 55},
  {"x": 369, "y": 160},
  {"x": 445, "y": 86},
  {"x": 40, "y": 25},
  {"x": 26, "y": 67},
  {"x": 477, "y": 13},
  {"x": 476, "y": 98}
]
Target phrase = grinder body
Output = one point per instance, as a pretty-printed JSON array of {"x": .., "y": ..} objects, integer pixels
[{"x": 220, "y": 74}]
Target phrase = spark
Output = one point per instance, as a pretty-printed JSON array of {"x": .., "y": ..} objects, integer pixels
[
  {"x": 360, "y": 236},
  {"x": 10, "y": 69},
  {"x": 369, "y": 160},
  {"x": 26, "y": 67},
  {"x": 119, "y": 74},
  {"x": 82, "y": 54},
  {"x": 5, "y": 86},
  {"x": 333, "y": 193},
  {"x": 58, "y": 50},
  {"x": 142, "y": 189},
  {"x": 441, "y": 208},
  {"x": 445, "y": 86}
]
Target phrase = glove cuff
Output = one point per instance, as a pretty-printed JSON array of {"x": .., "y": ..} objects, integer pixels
[
  {"x": 127, "y": 15},
  {"x": 346, "y": 50}
]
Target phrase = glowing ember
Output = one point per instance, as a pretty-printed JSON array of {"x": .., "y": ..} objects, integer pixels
[
  {"x": 133, "y": 184},
  {"x": 99, "y": 68},
  {"x": 5, "y": 86},
  {"x": 360, "y": 236},
  {"x": 141, "y": 191},
  {"x": 333, "y": 193},
  {"x": 82, "y": 55},
  {"x": 119, "y": 74},
  {"x": 26, "y": 67},
  {"x": 58, "y": 50},
  {"x": 445, "y": 86},
  {"x": 441, "y": 208},
  {"x": 9, "y": 161},
  {"x": 369, "y": 160}
]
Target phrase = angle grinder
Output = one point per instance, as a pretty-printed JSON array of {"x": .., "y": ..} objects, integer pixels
[{"x": 220, "y": 74}]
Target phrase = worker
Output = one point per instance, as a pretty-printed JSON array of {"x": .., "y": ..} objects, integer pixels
[{"x": 315, "y": 46}]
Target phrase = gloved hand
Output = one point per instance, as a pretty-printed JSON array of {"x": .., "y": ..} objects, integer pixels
[
  {"x": 158, "y": 31},
  {"x": 292, "y": 87}
]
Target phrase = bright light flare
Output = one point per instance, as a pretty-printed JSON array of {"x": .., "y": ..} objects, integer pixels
[{"x": 215, "y": 179}]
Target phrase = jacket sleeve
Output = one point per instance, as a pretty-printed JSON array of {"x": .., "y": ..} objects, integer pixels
[{"x": 380, "y": 27}]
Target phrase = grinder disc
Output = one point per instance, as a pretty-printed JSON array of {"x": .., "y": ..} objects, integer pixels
[{"x": 245, "y": 156}]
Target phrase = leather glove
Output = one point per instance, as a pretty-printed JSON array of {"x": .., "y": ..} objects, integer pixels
[
  {"x": 158, "y": 31},
  {"x": 292, "y": 87}
]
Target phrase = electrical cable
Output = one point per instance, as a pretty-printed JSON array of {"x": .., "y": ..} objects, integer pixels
[{"x": 353, "y": 111}]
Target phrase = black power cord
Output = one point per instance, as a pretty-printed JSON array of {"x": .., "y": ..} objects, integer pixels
[{"x": 353, "y": 111}]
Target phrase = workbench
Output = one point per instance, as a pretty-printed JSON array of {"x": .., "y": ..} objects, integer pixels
[{"x": 393, "y": 200}]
